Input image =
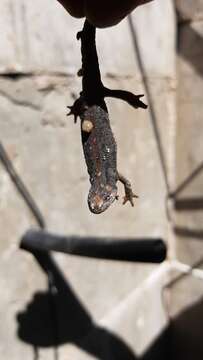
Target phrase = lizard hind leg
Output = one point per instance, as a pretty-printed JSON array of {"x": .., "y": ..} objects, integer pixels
[{"x": 129, "y": 195}]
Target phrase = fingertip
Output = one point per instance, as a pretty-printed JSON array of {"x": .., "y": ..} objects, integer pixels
[{"x": 74, "y": 8}]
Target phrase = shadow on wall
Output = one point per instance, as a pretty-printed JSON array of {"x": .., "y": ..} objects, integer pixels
[
  {"x": 182, "y": 339},
  {"x": 73, "y": 324},
  {"x": 186, "y": 334},
  {"x": 190, "y": 46},
  {"x": 70, "y": 321},
  {"x": 57, "y": 317}
]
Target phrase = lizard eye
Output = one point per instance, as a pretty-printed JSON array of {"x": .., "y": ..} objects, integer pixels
[{"x": 107, "y": 197}]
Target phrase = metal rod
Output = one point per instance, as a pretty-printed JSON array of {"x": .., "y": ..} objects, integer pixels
[{"x": 136, "y": 250}]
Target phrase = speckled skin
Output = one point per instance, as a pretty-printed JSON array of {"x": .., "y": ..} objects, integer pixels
[{"x": 100, "y": 154}]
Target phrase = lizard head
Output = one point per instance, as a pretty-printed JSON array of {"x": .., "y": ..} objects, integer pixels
[{"x": 101, "y": 197}]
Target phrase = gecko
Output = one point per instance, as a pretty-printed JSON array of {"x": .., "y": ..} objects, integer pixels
[{"x": 99, "y": 145}]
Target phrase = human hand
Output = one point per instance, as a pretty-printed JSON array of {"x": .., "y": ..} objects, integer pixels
[{"x": 101, "y": 13}]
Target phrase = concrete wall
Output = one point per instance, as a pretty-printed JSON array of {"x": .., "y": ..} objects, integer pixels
[
  {"x": 106, "y": 310},
  {"x": 187, "y": 291}
]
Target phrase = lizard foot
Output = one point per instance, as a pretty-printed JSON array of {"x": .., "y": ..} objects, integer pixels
[
  {"x": 129, "y": 195},
  {"x": 77, "y": 108},
  {"x": 80, "y": 72},
  {"x": 130, "y": 98}
]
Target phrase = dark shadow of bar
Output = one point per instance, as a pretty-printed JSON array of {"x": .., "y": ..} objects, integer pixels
[
  {"x": 122, "y": 249},
  {"x": 188, "y": 232},
  {"x": 189, "y": 204}
]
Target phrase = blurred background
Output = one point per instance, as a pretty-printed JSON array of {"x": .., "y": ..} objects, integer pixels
[{"x": 105, "y": 309}]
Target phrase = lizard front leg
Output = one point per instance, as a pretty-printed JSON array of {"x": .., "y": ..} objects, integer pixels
[
  {"x": 129, "y": 195},
  {"x": 78, "y": 108},
  {"x": 127, "y": 96}
]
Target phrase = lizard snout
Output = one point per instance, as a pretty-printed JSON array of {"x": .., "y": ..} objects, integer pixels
[{"x": 101, "y": 199}]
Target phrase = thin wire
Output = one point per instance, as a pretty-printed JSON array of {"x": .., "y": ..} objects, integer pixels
[
  {"x": 20, "y": 186},
  {"x": 150, "y": 103}
]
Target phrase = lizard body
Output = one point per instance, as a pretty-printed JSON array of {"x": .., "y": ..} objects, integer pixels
[
  {"x": 100, "y": 154},
  {"x": 98, "y": 142}
]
